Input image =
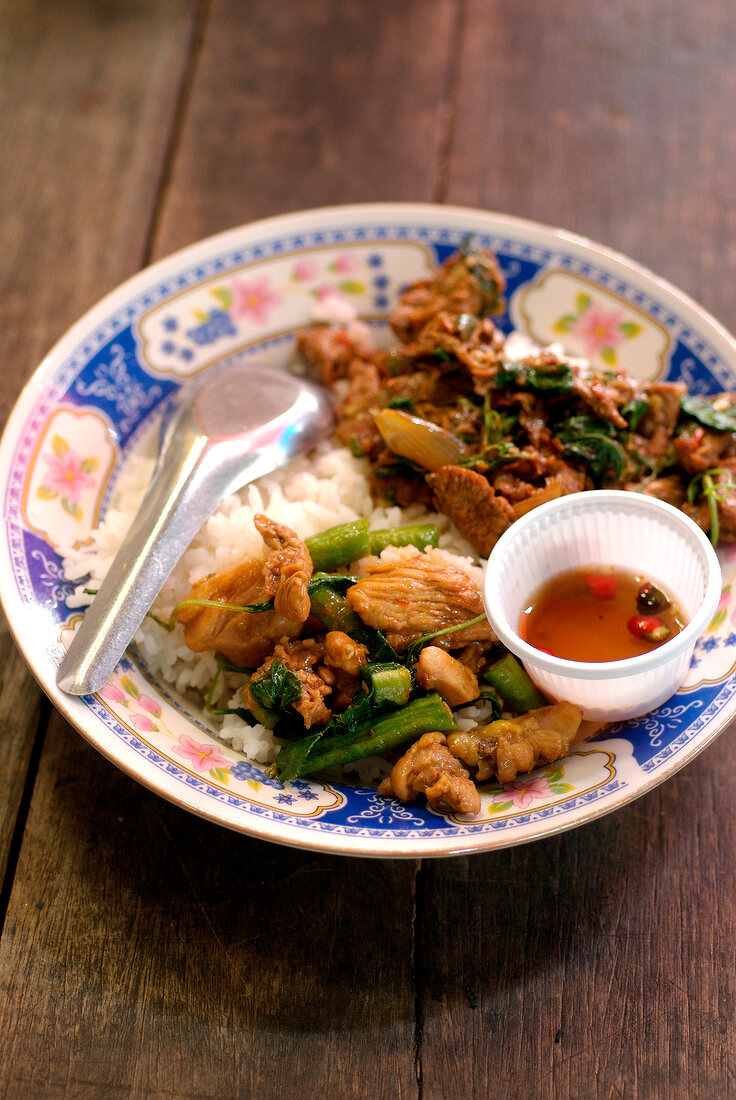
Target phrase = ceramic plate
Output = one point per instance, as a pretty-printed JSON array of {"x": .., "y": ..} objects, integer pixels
[{"x": 246, "y": 293}]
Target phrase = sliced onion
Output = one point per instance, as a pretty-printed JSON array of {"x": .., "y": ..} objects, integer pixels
[
  {"x": 418, "y": 440},
  {"x": 549, "y": 492}
]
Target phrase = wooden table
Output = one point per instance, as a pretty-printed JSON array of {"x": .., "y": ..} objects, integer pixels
[{"x": 145, "y": 952}]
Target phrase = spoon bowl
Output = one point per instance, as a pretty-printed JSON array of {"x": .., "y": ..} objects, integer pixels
[{"x": 218, "y": 433}]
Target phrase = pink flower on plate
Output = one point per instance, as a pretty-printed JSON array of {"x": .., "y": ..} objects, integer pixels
[
  {"x": 303, "y": 270},
  {"x": 113, "y": 693},
  {"x": 725, "y": 597},
  {"x": 522, "y": 792},
  {"x": 345, "y": 263},
  {"x": 254, "y": 299},
  {"x": 599, "y": 328},
  {"x": 201, "y": 754},
  {"x": 142, "y": 722},
  {"x": 150, "y": 705},
  {"x": 66, "y": 476},
  {"x": 327, "y": 290}
]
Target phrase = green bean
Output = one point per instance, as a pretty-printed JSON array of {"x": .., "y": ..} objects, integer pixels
[
  {"x": 390, "y": 682},
  {"x": 341, "y": 545},
  {"x": 334, "y": 612},
  {"x": 371, "y": 738},
  {"x": 512, "y": 682},
  {"x": 414, "y": 534}
]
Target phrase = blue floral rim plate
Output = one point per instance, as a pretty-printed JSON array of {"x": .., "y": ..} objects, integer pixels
[{"x": 247, "y": 292}]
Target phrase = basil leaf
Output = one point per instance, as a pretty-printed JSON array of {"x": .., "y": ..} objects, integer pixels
[
  {"x": 277, "y": 689},
  {"x": 546, "y": 378},
  {"x": 702, "y": 410}
]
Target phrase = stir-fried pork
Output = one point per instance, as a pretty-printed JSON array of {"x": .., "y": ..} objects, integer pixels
[
  {"x": 330, "y": 351},
  {"x": 428, "y": 768},
  {"x": 471, "y": 503},
  {"x": 301, "y": 658},
  {"x": 437, "y": 670},
  {"x": 242, "y": 638},
  {"x": 344, "y": 653},
  {"x": 468, "y": 282},
  {"x": 509, "y": 746},
  {"x": 288, "y": 569},
  {"x": 660, "y": 420},
  {"x": 411, "y": 596},
  {"x": 530, "y": 426}
]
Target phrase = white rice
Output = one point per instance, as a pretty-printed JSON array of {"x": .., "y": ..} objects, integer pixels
[{"x": 328, "y": 487}]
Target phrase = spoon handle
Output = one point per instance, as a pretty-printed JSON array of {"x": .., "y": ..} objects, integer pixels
[
  {"x": 183, "y": 492},
  {"x": 217, "y": 435}
]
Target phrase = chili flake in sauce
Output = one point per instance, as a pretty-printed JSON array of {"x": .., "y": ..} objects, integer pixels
[{"x": 599, "y": 614}]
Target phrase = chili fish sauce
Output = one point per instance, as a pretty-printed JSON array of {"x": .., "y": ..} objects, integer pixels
[{"x": 599, "y": 614}]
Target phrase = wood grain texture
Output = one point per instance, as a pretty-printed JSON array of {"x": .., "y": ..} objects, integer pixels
[
  {"x": 301, "y": 105},
  {"x": 599, "y": 963},
  {"x": 148, "y": 953},
  {"x": 87, "y": 98},
  {"x": 20, "y": 710},
  {"x": 171, "y": 957},
  {"x": 87, "y": 103},
  {"x": 612, "y": 120},
  {"x": 141, "y": 979}
]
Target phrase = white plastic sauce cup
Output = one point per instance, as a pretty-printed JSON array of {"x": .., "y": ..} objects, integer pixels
[{"x": 605, "y": 527}]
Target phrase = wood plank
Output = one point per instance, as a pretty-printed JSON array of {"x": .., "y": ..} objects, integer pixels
[
  {"x": 87, "y": 101},
  {"x": 87, "y": 105},
  {"x": 594, "y": 964},
  {"x": 172, "y": 957},
  {"x": 611, "y": 120},
  {"x": 278, "y": 970},
  {"x": 598, "y": 963},
  {"x": 301, "y": 105},
  {"x": 20, "y": 710}
]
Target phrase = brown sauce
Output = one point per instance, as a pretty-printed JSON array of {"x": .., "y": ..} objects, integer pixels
[{"x": 597, "y": 614}]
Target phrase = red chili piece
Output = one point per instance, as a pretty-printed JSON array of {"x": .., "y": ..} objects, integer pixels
[
  {"x": 650, "y": 627},
  {"x": 603, "y": 587}
]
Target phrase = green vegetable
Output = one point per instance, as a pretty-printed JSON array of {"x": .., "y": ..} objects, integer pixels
[
  {"x": 547, "y": 378},
  {"x": 485, "y": 277},
  {"x": 591, "y": 442},
  {"x": 420, "y": 535},
  {"x": 490, "y": 695},
  {"x": 219, "y": 605},
  {"x": 702, "y": 410},
  {"x": 634, "y": 410},
  {"x": 250, "y": 717},
  {"x": 513, "y": 684},
  {"x": 359, "y": 711},
  {"x": 292, "y": 759},
  {"x": 335, "y": 614},
  {"x": 339, "y": 545},
  {"x": 373, "y": 737},
  {"x": 413, "y": 650},
  {"x": 277, "y": 689},
  {"x": 715, "y": 493},
  {"x": 495, "y": 425},
  {"x": 388, "y": 682},
  {"x": 404, "y": 403}
]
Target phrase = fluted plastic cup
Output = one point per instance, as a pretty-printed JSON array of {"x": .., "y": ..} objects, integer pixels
[{"x": 605, "y": 527}]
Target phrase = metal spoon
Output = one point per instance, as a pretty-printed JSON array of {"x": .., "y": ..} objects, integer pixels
[{"x": 218, "y": 434}]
